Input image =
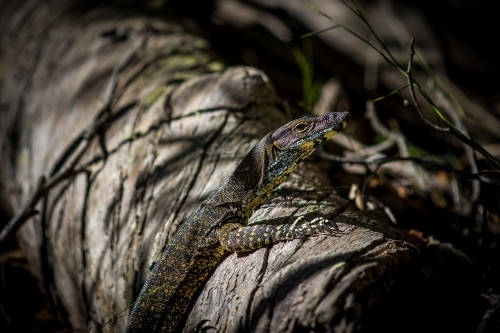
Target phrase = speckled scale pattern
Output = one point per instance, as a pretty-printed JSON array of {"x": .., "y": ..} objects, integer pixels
[
  {"x": 243, "y": 239},
  {"x": 219, "y": 226}
]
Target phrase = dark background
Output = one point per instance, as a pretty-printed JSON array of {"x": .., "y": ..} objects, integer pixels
[{"x": 459, "y": 274}]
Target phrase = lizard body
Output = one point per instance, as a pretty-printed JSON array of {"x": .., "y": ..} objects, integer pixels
[{"x": 220, "y": 225}]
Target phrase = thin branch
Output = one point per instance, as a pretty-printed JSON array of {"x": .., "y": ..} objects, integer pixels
[
  {"x": 470, "y": 153},
  {"x": 411, "y": 82},
  {"x": 420, "y": 179},
  {"x": 389, "y": 94},
  {"x": 314, "y": 33},
  {"x": 319, "y": 12},
  {"x": 379, "y": 161},
  {"x": 362, "y": 17},
  {"x": 401, "y": 33},
  {"x": 459, "y": 135}
]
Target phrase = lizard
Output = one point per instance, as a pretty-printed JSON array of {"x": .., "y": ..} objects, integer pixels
[{"x": 219, "y": 226}]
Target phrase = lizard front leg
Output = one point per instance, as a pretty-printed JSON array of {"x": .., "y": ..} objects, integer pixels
[{"x": 236, "y": 238}]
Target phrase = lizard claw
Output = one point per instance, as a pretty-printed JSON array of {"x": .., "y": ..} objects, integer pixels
[
  {"x": 326, "y": 228},
  {"x": 333, "y": 225},
  {"x": 323, "y": 225}
]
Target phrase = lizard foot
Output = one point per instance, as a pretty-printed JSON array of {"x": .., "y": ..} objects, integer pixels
[{"x": 319, "y": 225}]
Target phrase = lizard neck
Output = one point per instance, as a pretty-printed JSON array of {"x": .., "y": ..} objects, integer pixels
[{"x": 248, "y": 186}]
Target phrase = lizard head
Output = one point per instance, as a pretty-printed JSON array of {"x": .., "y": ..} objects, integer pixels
[
  {"x": 272, "y": 160},
  {"x": 298, "y": 139},
  {"x": 309, "y": 131}
]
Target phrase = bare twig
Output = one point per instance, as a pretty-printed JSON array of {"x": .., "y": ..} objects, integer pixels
[
  {"x": 468, "y": 149},
  {"x": 393, "y": 136},
  {"x": 445, "y": 98},
  {"x": 319, "y": 12},
  {"x": 419, "y": 177},
  {"x": 451, "y": 129},
  {"x": 446, "y": 88},
  {"x": 379, "y": 161},
  {"x": 470, "y": 153},
  {"x": 411, "y": 83},
  {"x": 358, "y": 13}
]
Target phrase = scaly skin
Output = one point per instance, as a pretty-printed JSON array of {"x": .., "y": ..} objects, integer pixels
[{"x": 219, "y": 225}]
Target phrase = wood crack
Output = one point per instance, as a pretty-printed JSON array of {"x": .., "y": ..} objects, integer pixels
[{"x": 246, "y": 321}]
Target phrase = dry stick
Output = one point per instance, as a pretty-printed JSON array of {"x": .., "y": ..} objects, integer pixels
[
  {"x": 401, "y": 32},
  {"x": 468, "y": 149},
  {"x": 381, "y": 129},
  {"x": 422, "y": 160},
  {"x": 359, "y": 149},
  {"x": 412, "y": 90},
  {"x": 43, "y": 187},
  {"x": 358, "y": 13},
  {"x": 319, "y": 12},
  {"x": 420, "y": 180},
  {"x": 459, "y": 135},
  {"x": 361, "y": 152},
  {"x": 377, "y": 162},
  {"x": 470, "y": 153}
]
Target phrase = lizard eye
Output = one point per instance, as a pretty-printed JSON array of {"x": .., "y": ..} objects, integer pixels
[{"x": 301, "y": 127}]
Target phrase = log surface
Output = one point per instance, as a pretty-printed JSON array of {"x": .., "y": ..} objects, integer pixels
[{"x": 176, "y": 126}]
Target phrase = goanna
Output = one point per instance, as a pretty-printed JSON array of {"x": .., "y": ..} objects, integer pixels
[{"x": 220, "y": 225}]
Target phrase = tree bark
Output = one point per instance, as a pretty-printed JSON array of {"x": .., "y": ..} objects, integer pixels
[{"x": 173, "y": 124}]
